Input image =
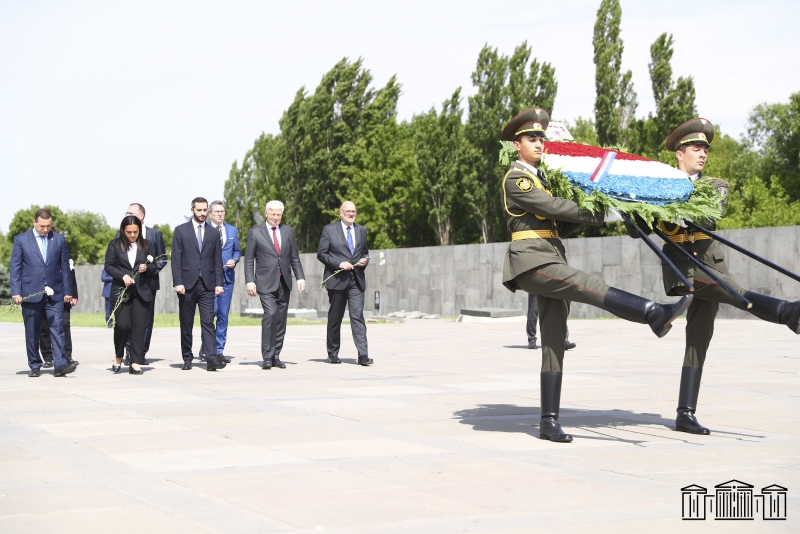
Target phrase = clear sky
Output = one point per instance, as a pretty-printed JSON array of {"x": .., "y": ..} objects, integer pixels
[{"x": 106, "y": 103}]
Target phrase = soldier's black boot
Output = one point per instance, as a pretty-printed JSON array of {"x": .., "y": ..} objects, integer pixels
[
  {"x": 687, "y": 402},
  {"x": 640, "y": 310},
  {"x": 550, "y": 398},
  {"x": 775, "y": 310}
]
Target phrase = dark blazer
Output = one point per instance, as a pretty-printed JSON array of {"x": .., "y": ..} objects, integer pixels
[
  {"x": 333, "y": 250},
  {"x": 29, "y": 271},
  {"x": 189, "y": 262},
  {"x": 117, "y": 266},
  {"x": 262, "y": 264},
  {"x": 106, "y": 279},
  {"x": 230, "y": 251},
  {"x": 154, "y": 236}
]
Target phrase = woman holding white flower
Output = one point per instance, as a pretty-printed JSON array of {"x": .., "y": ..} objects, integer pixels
[{"x": 129, "y": 262}]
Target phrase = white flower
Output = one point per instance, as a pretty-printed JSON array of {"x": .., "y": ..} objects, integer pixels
[
  {"x": 381, "y": 254},
  {"x": 381, "y": 262},
  {"x": 149, "y": 259},
  {"x": 49, "y": 291},
  {"x": 71, "y": 265}
]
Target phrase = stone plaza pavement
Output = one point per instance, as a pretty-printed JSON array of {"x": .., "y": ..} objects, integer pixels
[{"x": 438, "y": 436}]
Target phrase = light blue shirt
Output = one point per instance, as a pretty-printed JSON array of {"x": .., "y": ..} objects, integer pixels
[{"x": 41, "y": 240}]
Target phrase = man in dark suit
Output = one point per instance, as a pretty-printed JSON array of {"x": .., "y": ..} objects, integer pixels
[
  {"x": 153, "y": 236},
  {"x": 270, "y": 258},
  {"x": 343, "y": 248},
  {"x": 197, "y": 278},
  {"x": 41, "y": 283},
  {"x": 231, "y": 253}
]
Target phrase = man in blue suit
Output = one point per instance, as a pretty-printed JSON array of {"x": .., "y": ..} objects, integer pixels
[
  {"x": 41, "y": 283},
  {"x": 229, "y": 239}
]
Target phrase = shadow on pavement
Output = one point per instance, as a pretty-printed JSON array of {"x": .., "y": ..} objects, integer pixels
[{"x": 525, "y": 420}]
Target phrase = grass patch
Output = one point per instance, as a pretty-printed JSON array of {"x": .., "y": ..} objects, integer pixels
[{"x": 161, "y": 320}]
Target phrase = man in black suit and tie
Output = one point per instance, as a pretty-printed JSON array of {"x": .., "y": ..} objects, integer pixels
[
  {"x": 197, "y": 277},
  {"x": 153, "y": 236},
  {"x": 270, "y": 258},
  {"x": 343, "y": 247}
]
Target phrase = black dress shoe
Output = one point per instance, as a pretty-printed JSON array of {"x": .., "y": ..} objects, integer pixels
[
  {"x": 227, "y": 360},
  {"x": 267, "y": 365},
  {"x": 219, "y": 362},
  {"x": 187, "y": 365},
  {"x": 132, "y": 371},
  {"x": 211, "y": 364},
  {"x": 126, "y": 360},
  {"x": 687, "y": 422},
  {"x": 116, "y": 368},
  {"x": 62, "y": 370},
  {"x": 47, "y": 364},
  {"x": 34, "y": 373},
  {"x": 334, "y": 359},
  {"x": 550, "y": 429},
  {"x": 278, "y": 363},
  {"x": 569, "y": 345},
  {"x": 533, "y": 345},
  {"x": 364, "y": 360}
]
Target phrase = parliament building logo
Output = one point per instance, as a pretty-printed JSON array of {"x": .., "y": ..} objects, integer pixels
[{"x": 734, "y": 501}]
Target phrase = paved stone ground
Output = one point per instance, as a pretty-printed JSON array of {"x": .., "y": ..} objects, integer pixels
[{"x": 438, "y": 436}]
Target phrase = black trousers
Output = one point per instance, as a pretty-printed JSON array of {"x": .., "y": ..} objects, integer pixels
[
  {"x": 353, "y": 297},
  {"x": 129, "y": 322},
  {"x": 148, "y": 330},
  {"x": 273, "y": 323},
  {"x": 46, "y": 344},
  {"x": 196, "y": 297}
]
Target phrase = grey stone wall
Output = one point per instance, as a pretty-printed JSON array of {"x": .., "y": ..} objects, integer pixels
[{"x": 445, "y": 279}]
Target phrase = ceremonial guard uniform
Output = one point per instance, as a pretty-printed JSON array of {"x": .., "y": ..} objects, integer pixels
[
  {"x": 536, "y": 263},
  {"x": 708, "y": 294}
]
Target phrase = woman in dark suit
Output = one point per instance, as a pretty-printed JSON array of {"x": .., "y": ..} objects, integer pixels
[{"x": 127, "y": 263}]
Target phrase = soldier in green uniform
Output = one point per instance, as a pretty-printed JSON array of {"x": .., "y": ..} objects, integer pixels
[
  {"x": 536, "y": 263},
  {"x": 691, "y": 141}
]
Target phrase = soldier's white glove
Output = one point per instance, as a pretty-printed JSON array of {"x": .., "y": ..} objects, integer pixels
[
  {"x": 613, "y": 216},
  {"x": 680, "y": 222}
]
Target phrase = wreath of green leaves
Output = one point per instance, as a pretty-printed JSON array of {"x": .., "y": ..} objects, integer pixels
[{"x": 704, "y": 204}]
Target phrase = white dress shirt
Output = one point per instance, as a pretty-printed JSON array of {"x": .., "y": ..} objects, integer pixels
[
  {"x": 132, "y": 254},
  {"x": 352, "y": 231},
  {"x": 221, "y": 232},
  {"x": 531, "y": 168},
  {"x": 277, "y": 233}
]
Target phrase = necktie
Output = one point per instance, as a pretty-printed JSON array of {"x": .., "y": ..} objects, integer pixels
[
  {"x": 350, "y": 244},
  {"x": 221, "y": 235},
  {"x": 200, "y": 237},
  {"x": 43, "y": 246},
  {"x": 275, "y": 240}
]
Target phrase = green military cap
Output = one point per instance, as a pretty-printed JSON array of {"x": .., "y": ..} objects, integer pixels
[
  {"x": 692, "y": 132},
  {"x": 532, "y": 121}
]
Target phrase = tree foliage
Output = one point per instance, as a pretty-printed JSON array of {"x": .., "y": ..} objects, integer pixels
[
  {"x": 775, "y": 130},
  {"x": 87, "y": 234},
  {"x": 615, "y": 101}
]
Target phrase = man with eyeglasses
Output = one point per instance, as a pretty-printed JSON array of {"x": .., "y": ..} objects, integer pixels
[
  {"x": 343, "y": 251},
  {"x": 155, "y": 237},
  {"x": 231, "y": 253}
]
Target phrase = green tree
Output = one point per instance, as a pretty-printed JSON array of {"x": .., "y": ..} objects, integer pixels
[
  {"x": 166, "y": 234},
  {"x": 504, "y": 87},
  {"x": 615, "y": 102},
  {"x": 775, "y": 130},
  {"x": 87, "y": 234},
  {"x": 583, "y": 131},
  {"x": 5, "y": 286},
  {"x": 444, "y": 158},
  {"x": 757, "y": 204},
  {"x": 6, "y": 244}
]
